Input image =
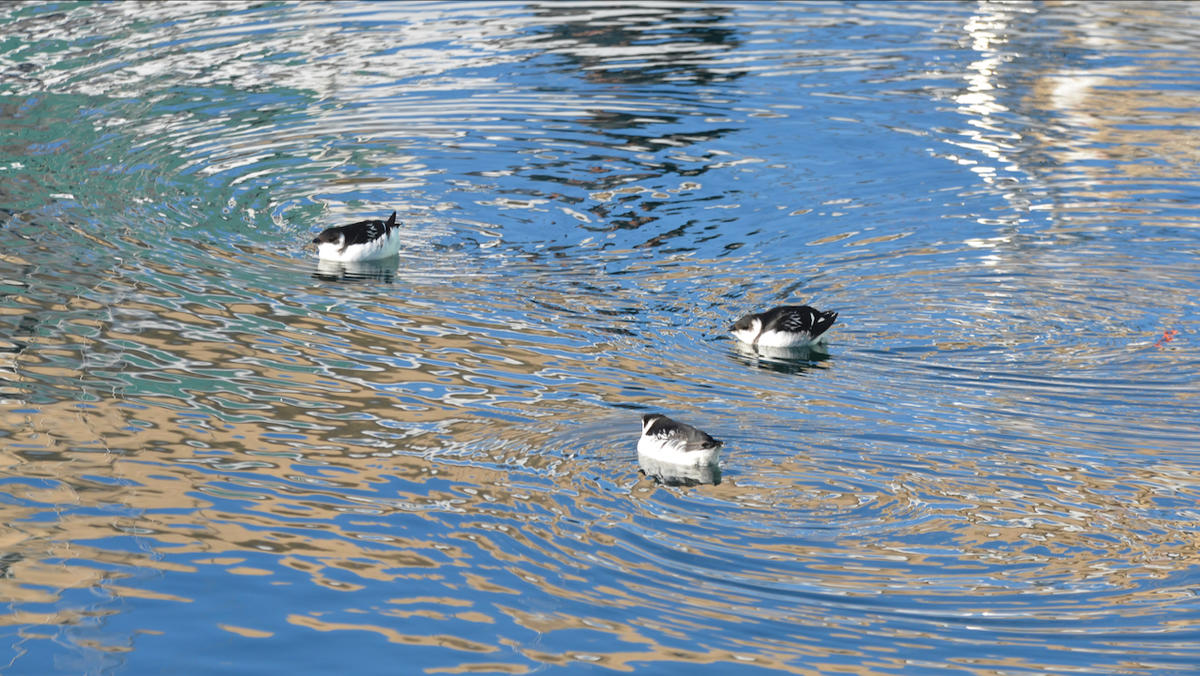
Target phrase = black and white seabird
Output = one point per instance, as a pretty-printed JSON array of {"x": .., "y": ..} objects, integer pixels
[
  {"x": 788, "y": 326},
  {"x": 667, "y": 441},
  {"x": 361, "y": 241}
]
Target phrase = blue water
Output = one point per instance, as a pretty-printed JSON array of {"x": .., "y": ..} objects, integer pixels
[{"x": 222, "y": 457}]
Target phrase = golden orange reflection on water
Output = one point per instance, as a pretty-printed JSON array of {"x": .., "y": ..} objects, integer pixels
[{"x": 449, "y": 455}]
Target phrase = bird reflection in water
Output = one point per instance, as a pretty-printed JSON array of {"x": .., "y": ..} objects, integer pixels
[
  {"x": 673, "y": 474},
  {"x": 781, "y": 359},
  {"x": 358, "y": 271}
]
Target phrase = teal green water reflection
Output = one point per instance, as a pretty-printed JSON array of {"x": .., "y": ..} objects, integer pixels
[{"x": 221, "y": 456}]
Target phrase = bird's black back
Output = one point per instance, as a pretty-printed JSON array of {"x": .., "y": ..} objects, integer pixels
[
  {"x": 665, "y": 427},
  {"x": 358, "y": 233},
  {"x": 798, "y": 319}
]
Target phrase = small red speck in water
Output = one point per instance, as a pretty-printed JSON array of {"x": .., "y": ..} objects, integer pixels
[{"x": 1167, "y": 337}]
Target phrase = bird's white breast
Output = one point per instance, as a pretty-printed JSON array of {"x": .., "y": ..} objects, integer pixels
[
  {"x": 745, "y": 335},
  {"x": 385, "y": 246},
  {"x": 675, "y": 450},
  {"x": 784, "y": 339}
]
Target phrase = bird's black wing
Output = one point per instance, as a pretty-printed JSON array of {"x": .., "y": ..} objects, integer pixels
[
  {"x": 664, "y": 428},
  {"x": 791, "y": 318},
  {"x": 364, "y": 231},
  {"x": 800, "y": 319}
]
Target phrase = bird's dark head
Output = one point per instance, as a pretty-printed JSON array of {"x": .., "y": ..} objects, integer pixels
[
  {"x": 328, "y": 236},
  {"x": 743, "y": 324},
  {"x": 649, "y": 419},
  {"x": 747, "y": 328}
]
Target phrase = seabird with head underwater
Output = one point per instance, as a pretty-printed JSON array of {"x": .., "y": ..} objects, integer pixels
[
  {"x": 362, "y": 251},
  {"x": 368, "y": 240},
  {"x": 677, "y": 453},
  {"x": 786, "y": 326}
]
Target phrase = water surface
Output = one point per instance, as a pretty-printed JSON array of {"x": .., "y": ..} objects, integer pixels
[{"x": 220, "y": 456}]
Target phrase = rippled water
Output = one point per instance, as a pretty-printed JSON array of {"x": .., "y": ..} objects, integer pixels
[{"x": 219, "y": 456}]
